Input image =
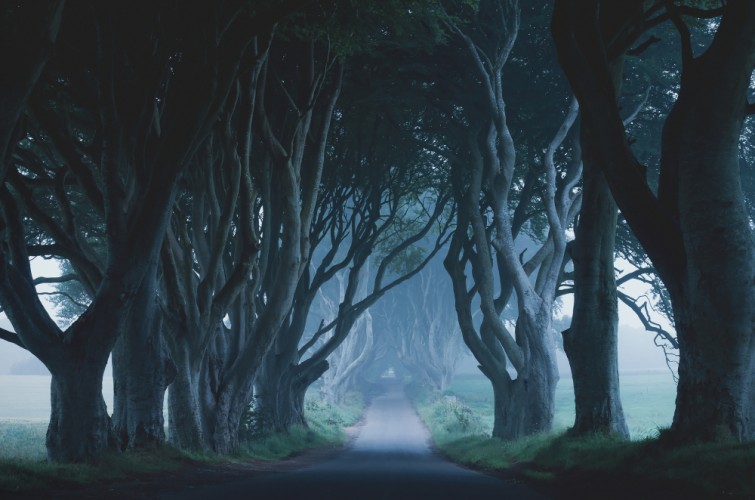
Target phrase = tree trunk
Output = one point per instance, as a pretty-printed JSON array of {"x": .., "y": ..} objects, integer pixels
[
  {"x": 526, "y": 405},
  {"x": 714, "y": 394},
  {"x": 224, "y": 409},
  {"x": 79, "y": 427},
  {"x": 591, "y": 341},
  {"x": 267, "y": 387},
  {"x": 280, "y": 395},
  {"x": 185, "y": 425},
  {"x": 714, "y": 307},
  {"x": 696, "y": 230},
  {"x": 142, "y": 371}
]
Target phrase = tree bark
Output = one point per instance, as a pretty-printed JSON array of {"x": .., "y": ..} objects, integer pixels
[
  {"x": 79, "y": 426},
  {"x": 696, "y": 230},
  {"x": 714, "y": 307},
  {"x": 185, "y": 425},
  {"x": 591, "y": 341},
  {"x": 279, "y": 396},
  {"x": 142, "y": 371},
  {"x": 525, "y": 405},
  {"x": 224, "y": 407}
]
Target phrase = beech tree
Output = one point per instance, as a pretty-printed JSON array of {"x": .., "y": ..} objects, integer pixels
[
  {"x": 484, "y": 180},
  {"x": 695, "y": 229},
  {"x": 395, "y": 203},
  {"x": 590, "y": 342},
  {"x": 29, "y": 31},
  {"x": 149, "y": 118}
]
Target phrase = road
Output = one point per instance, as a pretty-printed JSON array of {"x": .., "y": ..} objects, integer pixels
[{"x": 390, "y": 459}]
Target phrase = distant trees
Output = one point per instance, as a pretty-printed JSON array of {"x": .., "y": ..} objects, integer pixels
[{"x": 420, "y": 323}]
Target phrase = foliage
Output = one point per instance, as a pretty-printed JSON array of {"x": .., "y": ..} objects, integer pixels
[
  {"x": 326, "y": 423},
  {"x": 358, "y": 26},
  {"x": 451, "y": 416},
  {"x": 70, "y": 297}
]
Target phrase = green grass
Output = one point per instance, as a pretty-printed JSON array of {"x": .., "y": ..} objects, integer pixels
[
  {"x": 24, "y": 475},
  {"x": 22, "y": 440},
  {"x": 326, "y": 428},
  {"x": 597, "y": 466},
  {"x": 647, "y": 398},
  {"x": 23, "y": 466}
]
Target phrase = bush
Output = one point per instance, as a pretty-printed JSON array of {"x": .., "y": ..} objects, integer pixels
[{"x": 451, "y": 417}]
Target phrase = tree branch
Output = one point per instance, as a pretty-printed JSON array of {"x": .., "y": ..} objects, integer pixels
[
  {"x": 42, "y": 280},
  {"x": 675, "y": 14},
  {"x": 11, "y": 337},
  {"x": 634, "y": 274},
  {"x": 641, "y": 310},
  {"x": 643, "y": 46}
]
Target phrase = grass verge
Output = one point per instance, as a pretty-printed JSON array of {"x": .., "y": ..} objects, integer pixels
[
  {"x": 327, "y": 423},
  {"x": 20, "y": 475},
  {"x": 597, "y": 466},
  {"x": 24, "y": 470}
]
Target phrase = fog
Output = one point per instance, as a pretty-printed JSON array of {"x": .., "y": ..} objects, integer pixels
[{"x": 637, "y": 352}]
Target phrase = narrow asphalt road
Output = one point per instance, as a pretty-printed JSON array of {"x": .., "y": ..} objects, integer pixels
[{"x": 390, "y": 459}]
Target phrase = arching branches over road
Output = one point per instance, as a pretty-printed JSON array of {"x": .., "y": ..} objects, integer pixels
[
  {"x": 421, "y": 325},
  {"x": 383, "y": 201}
]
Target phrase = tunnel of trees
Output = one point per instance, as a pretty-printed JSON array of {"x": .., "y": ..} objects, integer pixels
[{"x": 244, "y": 197}]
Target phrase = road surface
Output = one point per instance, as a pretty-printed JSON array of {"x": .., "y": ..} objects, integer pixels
[{"x": 390, "y": 459}]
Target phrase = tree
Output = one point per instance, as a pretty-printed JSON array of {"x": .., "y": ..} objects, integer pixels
[
  {"x": 591, "y": 341},
  {"x": 29, "y": 32},
  {"x": 393, "y": 204},
  {"x": 420, "y": 322},
  {"x": 135, "y": 127},
  {"x": 355, "y": 351},
  {"x": 695, "y": 229},
  {"x": 484, "y": 177}
]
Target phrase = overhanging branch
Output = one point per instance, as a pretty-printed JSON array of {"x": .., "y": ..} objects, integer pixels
[
  {"x": 12, "y": 338},
  {"x": 642, "y": 312}
]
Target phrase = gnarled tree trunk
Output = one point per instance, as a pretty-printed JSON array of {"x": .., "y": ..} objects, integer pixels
[
  {"x": 142, "y": 371},
  {"x": 185, "y": 425},
  {"x": 79, "y": 426},
  {"x": 695, "y": 230},
  {"x": 525, "y": 405}
]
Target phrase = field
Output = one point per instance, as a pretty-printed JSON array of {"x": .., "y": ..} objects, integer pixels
[
  {"x": 592, "y": 466},
  {"x": 647, "y": 398}
]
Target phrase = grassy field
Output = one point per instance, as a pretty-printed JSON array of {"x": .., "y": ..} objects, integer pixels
[
  {"x": 595, "y": 466},
  {"x": 647, "y": 398},
  {"x": 23, "y": 464}
]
